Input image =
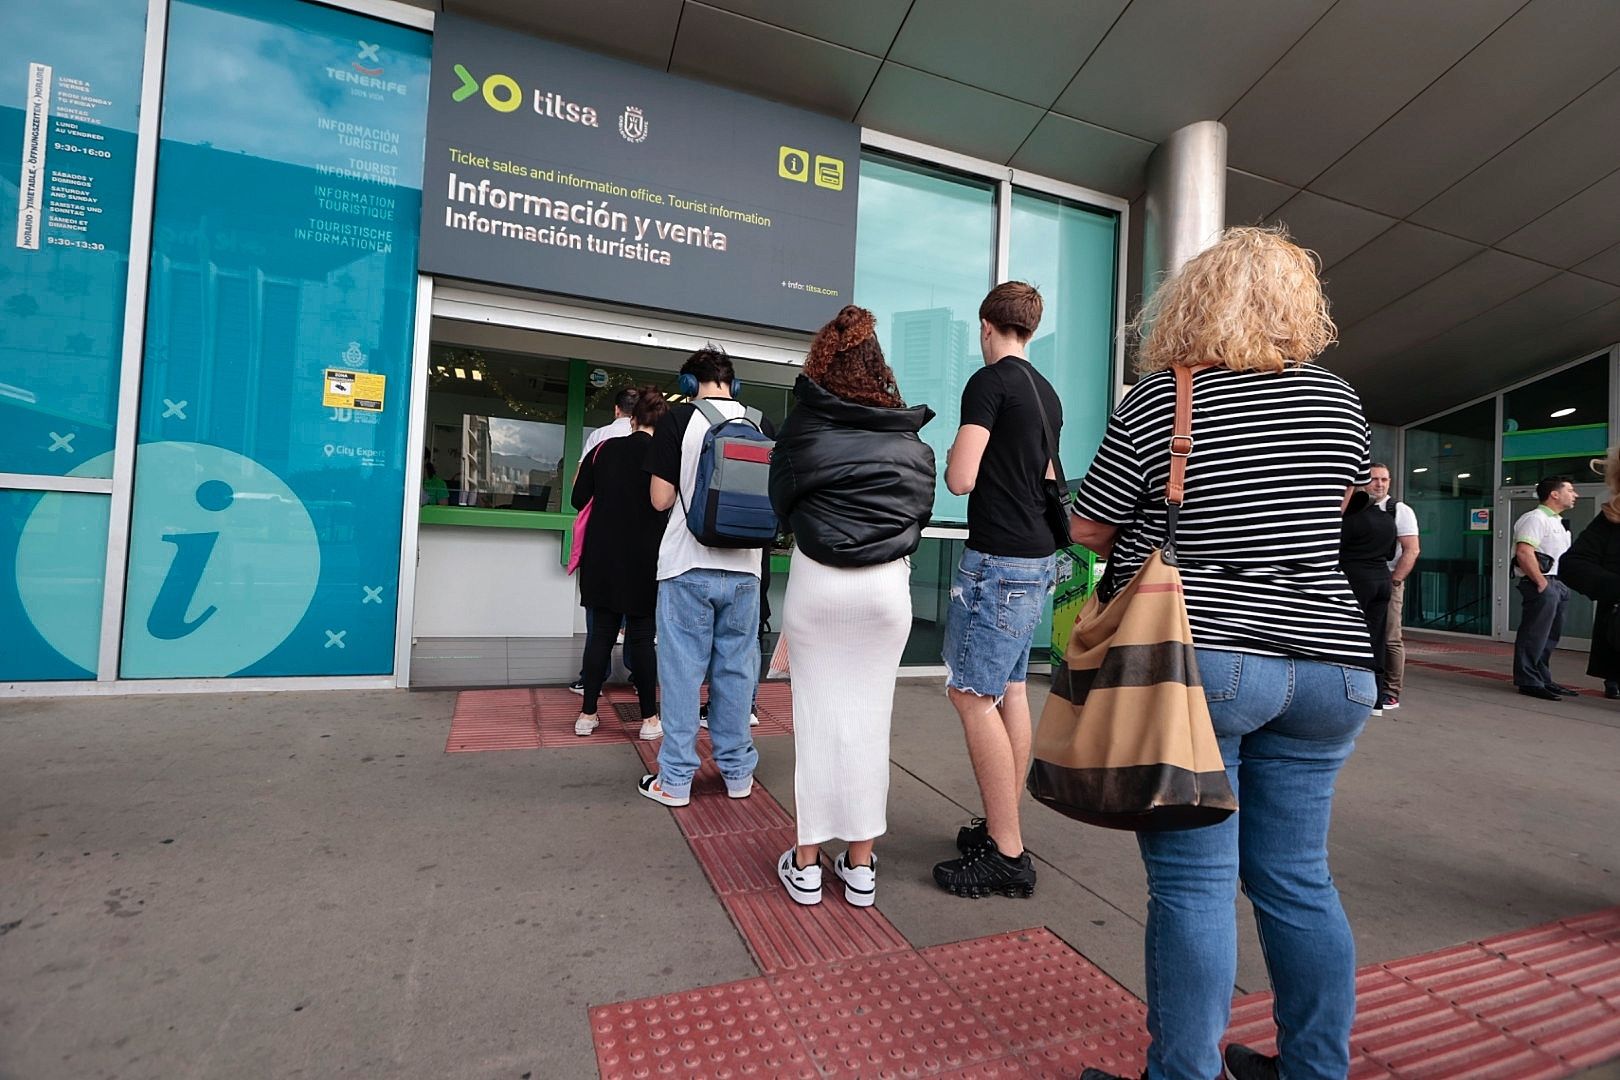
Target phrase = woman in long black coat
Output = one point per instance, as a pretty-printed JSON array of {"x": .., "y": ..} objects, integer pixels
[
  {"x": 618, "y": 567},
  {"x": 1592, "y": 568}
]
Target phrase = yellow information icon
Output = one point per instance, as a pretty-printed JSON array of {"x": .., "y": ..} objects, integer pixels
[
  {"x": 829, "y": 173},
  {"x": 793, "y": 164}
]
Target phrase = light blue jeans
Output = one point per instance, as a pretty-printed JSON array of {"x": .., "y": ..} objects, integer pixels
[
  {"x": 708, "y": 625},
  {"x": 1285, "y": 728}
]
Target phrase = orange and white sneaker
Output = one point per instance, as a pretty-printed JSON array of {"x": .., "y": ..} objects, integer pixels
[{"x": 651, "y": 789}]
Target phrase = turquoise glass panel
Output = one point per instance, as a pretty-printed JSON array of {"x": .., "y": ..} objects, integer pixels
[
  {"x": 70, "y": 90},
  {"x": 50, "y": 609},
  {"x": 266, "y": 525},
  {"x": 924, "y": 258},
  {"x": 1069, "y": 252}
]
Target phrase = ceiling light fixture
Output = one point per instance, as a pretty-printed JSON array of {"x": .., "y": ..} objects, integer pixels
[
  {"x": 1464, "y": 475},
  {"x": 461, "y": 373},
  {"x": 1421, "y": 469},
  {"x": 1560, "y": 413}
]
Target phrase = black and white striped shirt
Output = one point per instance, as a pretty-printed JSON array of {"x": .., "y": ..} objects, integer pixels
[{"x": 1258, "y": 537}]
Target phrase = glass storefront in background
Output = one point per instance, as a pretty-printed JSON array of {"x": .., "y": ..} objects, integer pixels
[
  {"x": 265, "y": 534},
  {"x": 925, "y": 255},
  {"x": 1450, "y": 471},
  {"x": 1555, "y": 426}
]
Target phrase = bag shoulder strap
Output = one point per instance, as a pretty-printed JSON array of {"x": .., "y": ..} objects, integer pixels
[
  {"x": 1181, "y": 439},
  {"x": 1048, "y": 443},
  {"x": 1181, "y": 446},
  {"x": 709, "y": 412}
]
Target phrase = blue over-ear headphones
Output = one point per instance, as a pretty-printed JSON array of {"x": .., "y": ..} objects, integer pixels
[{"x": 688, "y": 385}]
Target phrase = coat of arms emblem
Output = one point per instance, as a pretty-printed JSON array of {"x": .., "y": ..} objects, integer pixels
[{"x": 633, "y": 124}]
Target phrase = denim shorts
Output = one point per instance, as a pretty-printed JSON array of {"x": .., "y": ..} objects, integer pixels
[{"x": 996, "y": 602}]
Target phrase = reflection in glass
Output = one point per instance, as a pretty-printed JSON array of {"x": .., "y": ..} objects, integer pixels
[
  {"x": 1449, "y": 473},
  {"x": 1556, "y": 425},
  {"x": 64, "y": 263},
  {"x": 1068, "y": 252},
  {"x": 284, "y": 247},
  {"x": 497, "y": 427},
  {"x": 924, "y": 258}
]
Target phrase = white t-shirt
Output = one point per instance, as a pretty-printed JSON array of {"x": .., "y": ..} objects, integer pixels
[
  {"x": 621, "y": 426},
  {"x": 1543, "y": 530},
  {"x": 1405, "y": 522},
  {"x": 680, "y": 550}
]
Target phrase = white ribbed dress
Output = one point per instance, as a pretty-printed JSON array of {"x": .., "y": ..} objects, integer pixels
[{"x": 845, "y": 628}]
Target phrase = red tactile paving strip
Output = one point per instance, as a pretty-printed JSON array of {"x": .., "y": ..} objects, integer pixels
[
  {"x": 906, "y": 1014},
  {"x": 543, "y": 717},
  {"x": 1540, "y": 1002},
  {"x": 493, "y": 720}
]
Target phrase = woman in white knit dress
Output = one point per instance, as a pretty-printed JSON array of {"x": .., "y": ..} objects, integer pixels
[{"x": 854, "y": 483}]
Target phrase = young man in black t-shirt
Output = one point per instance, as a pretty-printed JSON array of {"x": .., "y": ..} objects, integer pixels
[{"x": 999, "y": 460}]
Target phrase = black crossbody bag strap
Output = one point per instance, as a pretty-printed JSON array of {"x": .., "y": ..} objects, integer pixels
[{"x": 1048, "y": 443}]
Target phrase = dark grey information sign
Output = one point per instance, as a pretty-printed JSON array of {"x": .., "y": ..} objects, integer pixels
[{"x": 556, "y": 169}]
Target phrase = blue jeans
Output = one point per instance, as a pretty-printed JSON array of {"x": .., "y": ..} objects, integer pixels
[
  {"x": 996, "y": 602},
  {"x": 1285, "y": 728},
  {"x": 708, "y": 624}
]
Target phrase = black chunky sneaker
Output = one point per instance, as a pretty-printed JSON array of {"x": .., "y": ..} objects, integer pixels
[
  {"x": 1245, "y": 1064},
  {"x": 986, "y": 870},
  {"x": 975, "y": 834}
]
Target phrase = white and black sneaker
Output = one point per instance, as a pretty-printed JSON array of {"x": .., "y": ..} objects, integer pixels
[
  {"x": 860, "y": 882},
  {"x": 577, "y": 687},
  {"x": 803, "y": 883},
  {"x": 652, "y": 789}
]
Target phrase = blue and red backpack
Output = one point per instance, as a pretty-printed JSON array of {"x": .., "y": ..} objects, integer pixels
[{"x": 731, "y": 501}]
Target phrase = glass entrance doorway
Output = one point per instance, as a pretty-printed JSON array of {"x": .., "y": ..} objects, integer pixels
[{"x": 1510, "y": 504}]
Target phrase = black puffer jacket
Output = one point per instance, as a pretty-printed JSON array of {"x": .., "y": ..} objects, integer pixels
[{"x": 853, "y": 483}]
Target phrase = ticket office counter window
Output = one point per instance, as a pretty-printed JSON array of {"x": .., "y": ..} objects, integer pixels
[{"x": 505, "y": 430}]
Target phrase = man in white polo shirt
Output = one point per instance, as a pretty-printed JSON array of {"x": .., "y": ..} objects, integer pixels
[
  {"x": 1540, "y": 539},
  {"x": 1400, "y": 568}
]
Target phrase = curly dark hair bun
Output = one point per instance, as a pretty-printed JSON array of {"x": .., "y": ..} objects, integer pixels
[
  {"x": 853, "y": 326},
  {"x": 845, "y": 359}
]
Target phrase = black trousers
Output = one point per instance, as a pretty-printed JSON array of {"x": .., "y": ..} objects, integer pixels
[
  {"x": 1372, "y": 588},
  {"x": 640, "y": 657}
]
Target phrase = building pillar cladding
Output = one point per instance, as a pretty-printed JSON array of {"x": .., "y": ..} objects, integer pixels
[{"x": 1186, "y": 199}]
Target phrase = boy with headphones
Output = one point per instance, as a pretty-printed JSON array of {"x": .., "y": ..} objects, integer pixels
[{"x": 708, "y": 602}]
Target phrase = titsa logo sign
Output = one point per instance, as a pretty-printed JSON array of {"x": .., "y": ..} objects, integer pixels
[
  {"x": 503, "y": 94},
  {"x": 640, "y": 187}
]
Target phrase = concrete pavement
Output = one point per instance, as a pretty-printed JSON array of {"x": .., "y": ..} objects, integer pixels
[{"x": 307, "y": 885}]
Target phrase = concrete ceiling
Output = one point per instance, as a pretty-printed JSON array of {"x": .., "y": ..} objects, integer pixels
[{"x": 1455, "y": 162}]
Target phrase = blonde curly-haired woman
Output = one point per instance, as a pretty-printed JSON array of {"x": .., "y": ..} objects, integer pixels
[{"x": 1282, "y": 649}]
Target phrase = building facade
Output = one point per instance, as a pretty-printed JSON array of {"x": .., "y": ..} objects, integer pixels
[{"x": 273, "y": 414}]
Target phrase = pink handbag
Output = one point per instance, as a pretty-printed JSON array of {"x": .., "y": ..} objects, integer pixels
[{"x": 581, "y": 520}]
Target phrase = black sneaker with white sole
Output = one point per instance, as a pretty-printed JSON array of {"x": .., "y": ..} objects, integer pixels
[
  {"x": 985, "y": 871},
  {"x": 577, "y": 686}
]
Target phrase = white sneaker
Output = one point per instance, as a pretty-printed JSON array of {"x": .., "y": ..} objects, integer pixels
[
  {"x": 753, "y": 721},
  {"x": 585, "y": 724},
  {"x": 649, "y": 787},
  {"x": 651, "y": 729},
  {"x": 742, "y": 792},
  {"x": 860, "y": 882},
  {"x": 802, "y": 883}
]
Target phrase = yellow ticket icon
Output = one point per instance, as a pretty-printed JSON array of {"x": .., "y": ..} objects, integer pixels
[
  {"x": 793, "y": 164},
  {"x": 829, "y": 173}
]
